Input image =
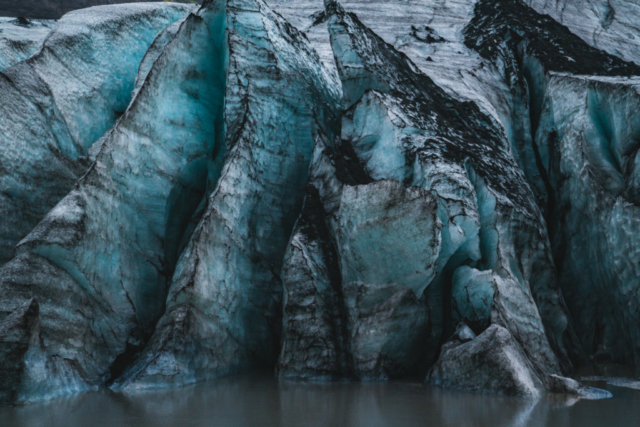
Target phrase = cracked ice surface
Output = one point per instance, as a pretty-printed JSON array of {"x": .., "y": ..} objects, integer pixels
[{"x": 399, "y": 127}]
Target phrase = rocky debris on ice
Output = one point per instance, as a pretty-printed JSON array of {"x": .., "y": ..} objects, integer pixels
[{"x": 494, "y": 363}]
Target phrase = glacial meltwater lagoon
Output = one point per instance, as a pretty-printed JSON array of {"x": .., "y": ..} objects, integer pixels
[{"x": 248, "y": 401}]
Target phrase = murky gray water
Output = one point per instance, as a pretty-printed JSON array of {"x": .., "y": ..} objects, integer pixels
[{"x": 261, "y": 401}]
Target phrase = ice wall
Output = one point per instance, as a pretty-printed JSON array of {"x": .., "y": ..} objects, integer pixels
[
  {"x": 223, "y": 311},
  {"x": 403, "y": 135},
  {"x": 98, "y": 264},
  {"x": 61, "y": 100}
]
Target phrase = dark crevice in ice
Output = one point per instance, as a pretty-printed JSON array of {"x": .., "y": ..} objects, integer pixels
[
  {"x": 534, "y": 77},
  {"x": 349, "y": 168},
  {"x": 313, "y": 223},
  {"x": 497, "y": 23},
  {"x": 123, "y": 361}
]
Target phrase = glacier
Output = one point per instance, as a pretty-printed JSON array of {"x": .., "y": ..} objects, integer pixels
[{"x": 447, "y": 194}]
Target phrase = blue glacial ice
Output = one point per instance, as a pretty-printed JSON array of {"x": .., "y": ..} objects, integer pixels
[
  {"x": 223, "y": 310},
  {"x": 400, "y": 126},
  {"x": 61, "y": 100},
  {"x": 21, "y": 38},
  {"x": 210, "y": 190},
  {"x": 104, "y": 249}
]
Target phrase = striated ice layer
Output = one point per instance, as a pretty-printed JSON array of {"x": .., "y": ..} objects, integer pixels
[
  {"x": 223, "y": 311},
  {"x": 57, "y": 103},
  {"x": 99, "y": 262},
  {"x": 21, "y": 38}
]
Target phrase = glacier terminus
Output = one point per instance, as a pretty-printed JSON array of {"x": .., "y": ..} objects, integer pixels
[{"x": 446, "y": 191}]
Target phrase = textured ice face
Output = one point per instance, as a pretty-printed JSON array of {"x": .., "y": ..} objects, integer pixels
[
  {"x": 609, "y": 25},
  {"x": 388, "y": 240},
  {"x": 588, "y": 136},
  {"x": 98, "y": 263},
  {"x": 472, "y": 293},
  {"x": 57, "y": 103},
  {"x": 400, "y": 126},
  {"x": 223, "y": 311},
  {"x": 393, "y": 203},
  {"x": 430, "y": 33},
  {"x": 581, "y": 133},
  {"x": 354, "y": 307}
]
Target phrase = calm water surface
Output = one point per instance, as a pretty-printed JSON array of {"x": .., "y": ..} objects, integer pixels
[{"x": 262, "y": 401}]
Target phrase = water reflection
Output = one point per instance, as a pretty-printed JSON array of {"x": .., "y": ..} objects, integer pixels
[{"x": 261, "y": 401}]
